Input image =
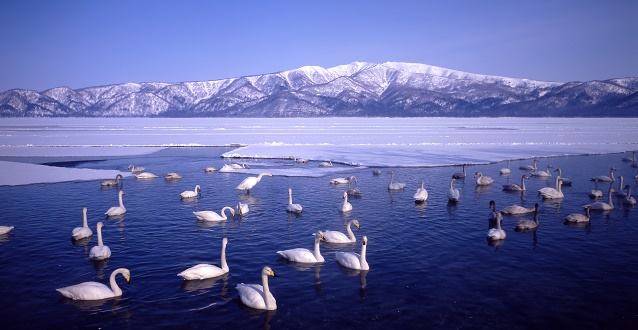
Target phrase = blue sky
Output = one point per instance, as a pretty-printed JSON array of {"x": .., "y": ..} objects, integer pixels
[{"x": 86, "y": 43}]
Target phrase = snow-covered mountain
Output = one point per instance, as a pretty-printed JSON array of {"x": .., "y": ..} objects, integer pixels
[{"x": 355, "y": 89}]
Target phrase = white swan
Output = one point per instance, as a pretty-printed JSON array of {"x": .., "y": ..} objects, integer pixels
[
  {"x": 376, "y": 172},
  {"x": 460, "y": 175},
  {"x": 333, "y": 236},
  {"x": 238, "y": 166},
  {"x": 352, "y": 188},
  {"x": 326, "y": 164},
  {"x": 566, "y": 181},
  {"x": 251, "y": 181},
  {"x": 505, "y": 170},
  {"x": 496, "y": 234},
  {"x": 258, "y": 296},
  {"x": 210, "y": 169},
  {"x": 514, "y": 186},
  {"x": 100, "y": 251},
  {"x": 112, "y": 182},
  {"x": 543, "y": 174},
  {"x": 526, "y": 224},
  {"x": 204, "y": 271},
  {"x": 346, "y": 206},
  {"x": 305, "y": 256},
  {"x": 84, "y": 231},
  {"x": 342, "y": 180},
  {"x": 602, "y": 206},
  {"x": 421, "y": 194},
  {"x": 529, "y": 167},
  {"x": 629, "y": 200},
  {"x": 493, "y": 213},
  {"x": 136, "y": 169},
  {"x": 453, "y": 194},
  {"x": 242, "y": 208},
  {"x": 293, "y": 208},
  {"x": 579, "y": 217},
  {"x": 191, "y": 193},
  {"x": 226, "y": 168},
  {"x": 117, "y": 210},
  {"x": 621, "y": 187},
  {"x": 96, "y": 290},
  {"x": 517, "y": 209},
  {"x": 5, "y": 229},
  {"x": 395, "y": 185},
  {"x": 213, "y": 216},
  {"x": 301, "y": 160},
  {"x": 482, "y": 180},
  {"x": 604, "y": 178},
  {"x": 145, "y": 176},
  {"x": 172, "y": 176},
  {"x": 353, "y": 260},
  {"x": 553, "y": 193},
  {"x": 595, "y": 193}
]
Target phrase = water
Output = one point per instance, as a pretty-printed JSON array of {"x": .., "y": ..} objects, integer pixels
[{"x": 431, "y": 265}]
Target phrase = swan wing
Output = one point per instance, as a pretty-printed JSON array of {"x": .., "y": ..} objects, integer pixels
[
  {"x": 333, "y": 236},
  {"x": 300, "y": 255},
  {"x": 115, "y": 210},
  {"x": 295, "y": 208},
  {"x": 496, "y": 234},
  {"x": 576, "y": 217},
  {"x": 87, "y": 291},
  {"x": 348, "y": 259},
  {"x": 252, "y": 295},
  {"x": 100, "y": 252},
  {"x": 201, "y": 271},
  {"x": 208, "y": 216},
  {"x": 247, "y": 183},
  {"x": 81, "y": 232}
]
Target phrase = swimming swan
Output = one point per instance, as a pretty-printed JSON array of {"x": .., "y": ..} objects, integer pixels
[
  {"x": 249, "y": 182},
  {"x": 145, "y": 176},
  {"x": 172, "y": 176},
  {"x": 210, "y": 169},
  {"x": 346, "y": 206},
  {"x": 84, "y": 231},
  {"x": 5, "y": 229},
  {"x": 305, "y": 256},
  {"x": 112, "y": 182},
  {"x": 326, "y": 164},
  {"x": 482, "y": 180},
  {"x": 517, "y": 209},
  {"x": 204, "y": 271},
  {"x": 602, "y": 206},
  {"x": 604, "y": 178},
  {"x": 242, "y": 208},
  {"x": 529, "y": 167},
  {"x": 553, "y": 193},
  {"x": 136, "y": 169},
  {"x": 213, "y": 216},
  {"x": 526, "y": 224},
  {"x": 293, "y": 208},
  {"x": 460, "y": 175},
  {"x": 496, "y": 234},
  {"x": 566, "y": 181},
  {"x": 453, "y": 194},
  {"x": 353, "y": 260},
  {"x": 505, "y": 170},
  {"x": 421, "y": 194},
  {"x": 514, "y": 186},
  {"x": 258, "y": 296},
  {"x": 342, "y": 180},
  {"x": 333, "y": 236},
  {"x": 100, "y": 251},
  {"x": 543, "y": 174},
  {"x": 191, "y": 193},
  {"x": 117, "y": 210},
  {"x": 629, "y": 200},
  {"x": 394, "y": 186},
  {"x": 96, "y": 290},
  {"x": 595, "y": 193},
  {"x": 579, "y": 217}
]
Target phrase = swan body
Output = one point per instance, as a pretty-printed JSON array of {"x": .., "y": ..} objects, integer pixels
[
  {"x": 251, "y": 181},
  {"x": 333, "y": 236},
  {"x": 210, "y": 169},
  {"x": 305, "y": 256},
  {"x": 172, "y": 176},
  {"x": 453, "y": 193},
  {"x": 514, "y": 186},
  {"x": 621, "y": 187},
  {"x": 529, "y": 167},
  {"x": 191, "y": 193},
  {"x": 226, "y": 168},
  {"x": 258, "y": 296},
  {"x": 238, "y": 166},
  {"x": 354, "y": 260},
  {"x": 496, "y": 234},
  {"x": 376, "y": 172},
  {"x": 629, "y": 200},
  {"x": 604, "y": 178},
  {"x": 204, "y": 271},
  {"x": 595, "y": 193},
  {"x": 526, "y": 224},
  {"x": 352, "y": 189},
  {"x": 482, "y": 180},
  {"x": 566, "y": 181},
  {"x": 542, "y": 174},
  {"x": 394, "y": 186},
  {"x": 96, "y": 290},
  {"x": 242, "y": 209},
  {"x": 346, "y": 206},
  {"x": 421, "y": 194},
  {"x": 342, "y": 180},
  {"x": 212, "y": 215},
  {"x": 602, "y": 206},
  {"x": 145, "y": 176},
  {"x": 293, "y": 208},
  {"x": 5, "y": 229},
  {"x": 579, "y": 217},
  {"x": 517, "y": 209},
  {"x": 100, "y": 251},
  {"x": 301, "y": 160},
  {"x": 84, "y": 231},
  {"x": 326, "y": 164},
  {"x": 552, "y": 193},
  {"x": 505, "y": 170},
  {"x": 460, "y": 175},
  {"x": 112, "y": 182},
  {"x": 117, "y": 210},
  {"x": 136, "y": 169}
]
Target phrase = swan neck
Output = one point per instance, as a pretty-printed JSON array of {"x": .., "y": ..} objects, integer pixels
[
  {"x": 223, "y": 258},
  {"x": 264, "y": 284},
  {"x": 114, "y": 287},
  {"x": 289, "y": 196},
  {"x": 260, "y": 176},
  {"x": 119, "y": 197},
  {"x": 362, "y": 258},
  {"x": 611, "y": 202},
  {"x": 223, "y": 212},
  {"x": 349, "y": 231},
  {"x": 99, "y": 236},
  {"x": 452, "y": 184},
  {"x": 85, "y": 222},
  {"x": 317, "y": 252},
  {"x": 523, "y": 183}
]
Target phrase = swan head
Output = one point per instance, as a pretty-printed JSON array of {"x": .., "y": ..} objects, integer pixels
[
  {"x": 319, "y": 236},
  {"x": 119, "y": 176},
  {"x": 267, "y": 174},
  {"x": 477, "y": 174},
  {"x": 127, "y": 275},
  {"x": 198, "y": 188},
  {"x": 364, "y": 240},
  {"x": 345, "y": 195},
  {"x": 355, "y": 223},
  {"x": 225, "y": 240},
  {"x": 268, "y": 271},
  {"x": 536, "y": 207},
  {"x": 99, "y": 225},
  {"x": 492, "y": 204},
  {"x": 121, "y": 193}
]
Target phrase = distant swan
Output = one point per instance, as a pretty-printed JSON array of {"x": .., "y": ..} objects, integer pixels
[
  {"x": 621, "y": 187},
  {"x": 629, "y": 200},
  {"x": 242, "y": 208},
  {"x": 305, "y": 256},
  {"x": 395, "y": 185},
  {"x": 602, "y": 206},
  {"x": 553, "y": 193},
  {"x": 352, "y": 188},
  {"x": 213, "y": 216},
  {"x": 517, "y": 209},
  {"x": 226, "y": 168},
  {"x": 604, "y": 178},
  {"x": 496, "y": 234},
  {"x": 172, "y": 176},
  {"x": 566, "y": 181},
  {"x": 346, "y": 180},
  {"x": 421, "y": 194},
  {"x": 529, "y": 167},
  {"x": 346, "y": 206},
  {"x": 112, "y": 182},
  {"x": 505, "y": 170},
  {"x": 96, "y": 290},
  {"x": 595, "y": 193},
  {"x": 526, "y": 224},
  {"x": 326, "y": 164},
  {"x": 117, "y": 210},
  {"x": 482, "y": 180},
  {"x": 514, "y": 186},
  {"x": 293, "y": 208},
  {"x": 251, "y": 181},
  {"x": 191, "y": 193},
  {"x": 146, "y": 176},
  {"x": 301, "y": 160},
  {"x": 204, "y": 271},
  {"x": 210, "y": 169},
  {"x": 579, "y": 217},
  {"x": 453, "y": 193},
  {"x": 258, "y": 296},
  {"x": 333, "y": 236},
  {"x": 136, "y": 169},
  {"x": 100, "y": 251},
  {"x": 460, "y": 175},
  {"x": 542, "y": 174},
  {"x": 84, "y": 231},
  {"x": 5, "y": 229},
  {"x": 353, "y": 260}
]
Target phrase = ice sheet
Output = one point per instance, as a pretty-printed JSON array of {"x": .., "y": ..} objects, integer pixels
[{"x": 14, "y": 174}]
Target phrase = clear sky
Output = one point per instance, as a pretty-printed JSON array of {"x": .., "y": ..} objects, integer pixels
[{"x": 85, "y": 43}]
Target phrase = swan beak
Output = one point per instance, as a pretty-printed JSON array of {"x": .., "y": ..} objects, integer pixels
[
  {"x": 129, "y": 280},
  {"x": 274, "y": 274}
]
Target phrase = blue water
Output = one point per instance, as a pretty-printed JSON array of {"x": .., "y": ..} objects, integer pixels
[{"x": 431, "y": 265}]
